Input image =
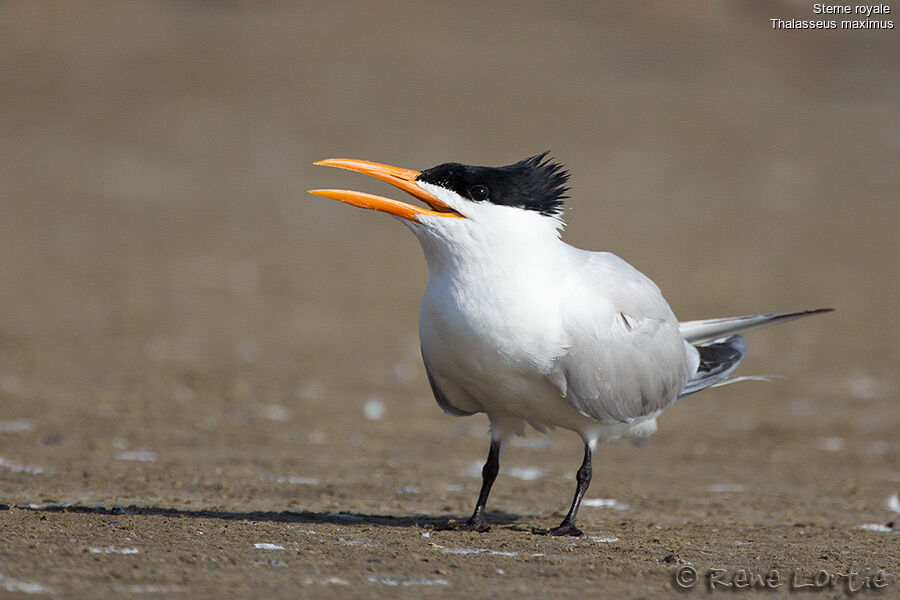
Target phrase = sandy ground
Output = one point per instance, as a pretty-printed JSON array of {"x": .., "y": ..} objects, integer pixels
[{"x": 210, "y": 383}]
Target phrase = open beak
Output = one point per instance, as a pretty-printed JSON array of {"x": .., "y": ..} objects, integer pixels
[{"x": 405, "y": 179}]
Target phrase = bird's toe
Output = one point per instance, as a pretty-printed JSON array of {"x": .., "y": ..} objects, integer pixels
[
  {"x": 562, "y": 529},
  {"x": 479, "y": 525}
]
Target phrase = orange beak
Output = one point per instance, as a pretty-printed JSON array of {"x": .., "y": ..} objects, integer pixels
[{"x": 405, "y": 179}]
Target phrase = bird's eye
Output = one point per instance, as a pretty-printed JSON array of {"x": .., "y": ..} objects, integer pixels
[{"x": 479, "y": 193}]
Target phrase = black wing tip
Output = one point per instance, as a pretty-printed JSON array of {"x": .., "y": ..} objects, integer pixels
[
  {"x": 718, "y": 360},
  {"x": 800, "y": 313}
]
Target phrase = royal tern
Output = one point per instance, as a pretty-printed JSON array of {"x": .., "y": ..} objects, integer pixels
[{"x": 519, "y": 325}]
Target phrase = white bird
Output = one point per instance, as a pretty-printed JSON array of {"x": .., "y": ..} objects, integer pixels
[{"x": 519, "y": 325}]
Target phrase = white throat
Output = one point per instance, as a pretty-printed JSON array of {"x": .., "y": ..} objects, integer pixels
[{"x": 492, "y": 240}]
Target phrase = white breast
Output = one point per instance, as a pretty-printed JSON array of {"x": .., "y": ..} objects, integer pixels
[
  {"x": 490, "y": 327},
  {"x": 495, "y": 322}
]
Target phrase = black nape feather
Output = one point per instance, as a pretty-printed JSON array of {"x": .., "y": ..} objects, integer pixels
[{"x": 536, "y": 183}]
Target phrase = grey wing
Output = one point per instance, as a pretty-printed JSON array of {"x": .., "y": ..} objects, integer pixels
[
  {"x": 626, "y": 357},
  {"x": 628, "y": 374}
]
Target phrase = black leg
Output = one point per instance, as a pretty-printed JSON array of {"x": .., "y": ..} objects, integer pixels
[
  {"x": 583, "y": 477},
  {"x": 477, "y": 521}
]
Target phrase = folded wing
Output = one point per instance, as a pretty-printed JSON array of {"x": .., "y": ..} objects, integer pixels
[{"x": 625, "y": 357}]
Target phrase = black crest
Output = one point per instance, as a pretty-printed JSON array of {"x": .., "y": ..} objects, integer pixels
[{"x": 536, "y": 183}]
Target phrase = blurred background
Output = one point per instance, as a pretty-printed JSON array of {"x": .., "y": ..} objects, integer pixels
[{"x": 168, "y": 287}]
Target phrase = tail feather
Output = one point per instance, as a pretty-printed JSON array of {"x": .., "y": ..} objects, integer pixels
[
  {"x": 739, "y": 378},
  {"x": 721, "y": 350},
  {"x": 717, "y": 361},
  {"x": 698, "y": 332}
]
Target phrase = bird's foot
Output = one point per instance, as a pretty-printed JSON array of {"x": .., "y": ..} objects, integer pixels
[
  {"x": 563, "y": 529},
  {"x": 567, "y": 529},
  {"x": 474, "y": 524}
]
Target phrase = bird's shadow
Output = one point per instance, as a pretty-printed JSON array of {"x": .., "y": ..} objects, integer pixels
[{"x": 308, "y": 517}]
